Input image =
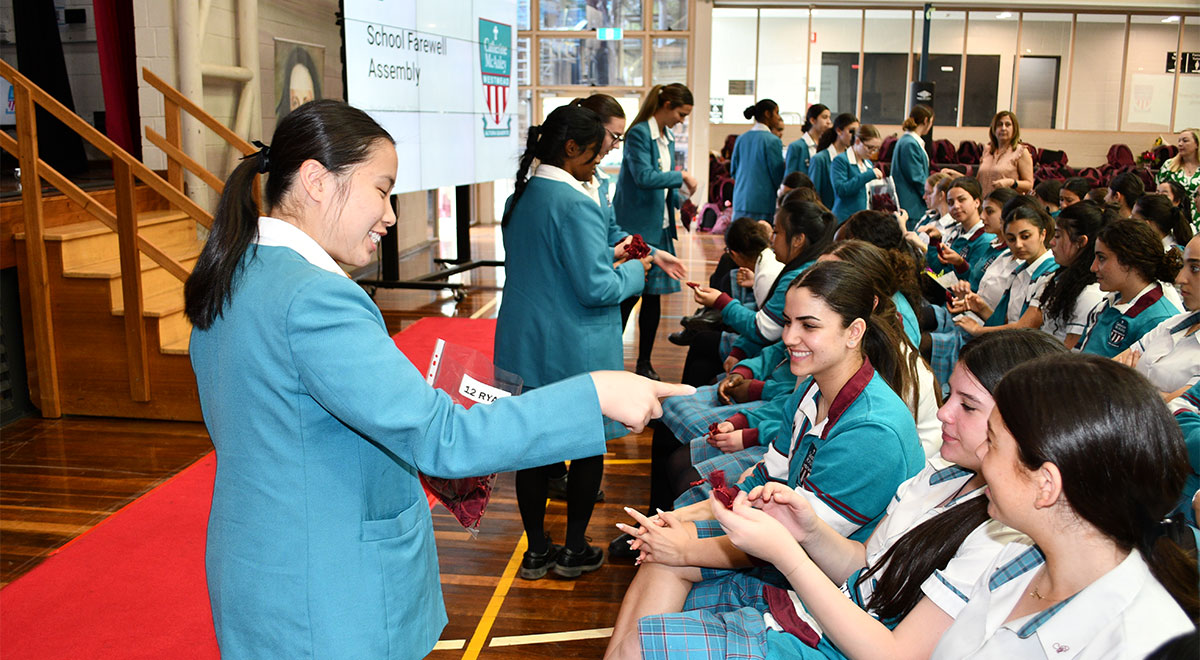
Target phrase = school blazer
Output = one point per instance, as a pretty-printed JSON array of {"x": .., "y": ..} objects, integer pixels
[
  {"x": 818, "y": 171},
  {"x": 639, "y": 201},
  {"x": 797, "y": 159},
  {"x": 561, "y": 313},
  {"x": 320, "y": 541},
  {"x": 910, "y": 169},
  {"x": 849, "y": 186},
  {"x": 757, "y": 169}
]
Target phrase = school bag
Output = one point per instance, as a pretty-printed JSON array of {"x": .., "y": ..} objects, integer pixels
[
  {"x": 1120, "y": 156},
  {"x": 707, "y": 217},
  {"x": 886, "y": 149},
  {"x": 970, "y": 152},
  {"x": 1093, "y": 175},
  {"x": 944, "y": 152}
]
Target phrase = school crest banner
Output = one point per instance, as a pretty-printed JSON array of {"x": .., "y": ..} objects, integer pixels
[{"x": 495, "y": 66}]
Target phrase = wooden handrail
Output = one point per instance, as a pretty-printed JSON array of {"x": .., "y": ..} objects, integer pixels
[
  {"x": 187, "y": 161},
  {"x": 177, "y": 97}
]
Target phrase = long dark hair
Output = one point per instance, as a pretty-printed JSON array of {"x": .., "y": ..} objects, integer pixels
[
  {"x": 1035, "y": 215},
  {"x": 839, "y": 124},
  {"x": 1129, "y": 185},
  {"x": 1121, "y": 454},
  {"x": 674, "y": 95},
  {"x": 1077, "y": 185},
  {"x": 334, "y": 134},
  {"x": 853, "y": 294},
  {"x": 746, "y": 236},
  {"x": 931, "y": 545},
  {"x": 1083, "y": 218},
  {"x": 880, "y": 229},
  {"x": 1180, "y": 197},
  {"x": 1137, "y": 246},
  {"x": 548, "y": 144},
  {"x": 811, "y": 115},
  {"x": 758, "y": 111},
  {"x": 1160, "y": 211}
]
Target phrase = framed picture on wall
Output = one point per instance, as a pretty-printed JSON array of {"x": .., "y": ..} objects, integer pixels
[{"x": 299, "y": 70}]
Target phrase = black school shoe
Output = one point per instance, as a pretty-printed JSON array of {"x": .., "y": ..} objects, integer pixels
[
  {"x": 534, "y": 565},
  {"x": 570, "y": 564},
  {"x": 644, "y": 370},
  {"x": 619, "y": 548},
  {"x": 556, "y": 489}
]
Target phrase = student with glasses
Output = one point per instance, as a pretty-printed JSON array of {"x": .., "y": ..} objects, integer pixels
[{"x": 852, "y": 170}]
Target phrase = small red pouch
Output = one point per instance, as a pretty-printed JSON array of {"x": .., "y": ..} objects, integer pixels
[
  {"x": 637, "y": 247},
  {"x": 724, "y": 492},
  {"x": 694, "y": 285}
]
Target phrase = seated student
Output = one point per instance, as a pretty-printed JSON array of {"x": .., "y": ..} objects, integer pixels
[
  {"x": 999, "y": 264},
  {"x": 835, "y": 140},
  {"x": 802, "y": 230},
  {"x": 1186, "y": 408},
  {"x": 880, "y": 229},
  {"x": 1072, "y": 291},
  {"x": 1169, "y": 355},
  {"x": 1130, "y": 266},
  {"x": 792, "y": 181},
  {"x": 1102, "y": 579},
  {"x": 1166, "y": 219},
  {"x": 938, "y": 210},
  {"x": 1025, "y": 232},
  {"x": 1047, "y": 192},
  {"x": 817, "y": 120},
  {"x": 1097, "y": 194},
  {"x": 1124, "y": 191},
  {"x": 965, "y": 247},
  {"x": 1073, "y": 190},
  {"x": 851, "y": 170},
  {"x": 1179, "y": 197},
  {"x": 907, "y": 576}
]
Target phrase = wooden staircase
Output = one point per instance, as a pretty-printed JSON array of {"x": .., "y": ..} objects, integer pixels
[{"x": 102, "y": 299}]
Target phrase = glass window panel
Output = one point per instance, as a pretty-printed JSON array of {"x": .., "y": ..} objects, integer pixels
[
  {"x": 833, "y": 68},
  {"x": 630, "y": 104},
  {"x": 590, "y": 62},
  {"x": 669, "y": 15},
  {"x": 1148, "y": 86},
  {"x": 669, "y": 63},
  {"x": 885, "y": 62},
  {"x": 783, "y": 51},
  {"x": 945, "y": 62},
  {"x": 1096, "y": 79},
  {"x": 523, "y": 15},
  {"x": 590, "y": 14},
  {"x": 731, "y": 61},
  {"x": 525, "y": 117},
  {"x": 523, "y": 77},
  {"x": 1187, "y": 104},
  {"x": 992, "y": 34},
  {"x": 1041, "y": 95}
]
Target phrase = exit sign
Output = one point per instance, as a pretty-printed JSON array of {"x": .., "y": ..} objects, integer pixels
[{"x": 608, "y": 34}]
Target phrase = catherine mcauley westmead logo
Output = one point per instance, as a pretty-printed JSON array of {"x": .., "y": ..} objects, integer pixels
[{"x": 495, "y": 65}]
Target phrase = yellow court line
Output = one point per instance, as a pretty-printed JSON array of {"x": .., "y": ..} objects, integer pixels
[
  {"x": 626, "y": 461},
  {"x": 546, "y": 638},
  {"x": 449, "y": 644},
  {"x": 486, "y": 307},
  {"x": 493, "y": 606}
]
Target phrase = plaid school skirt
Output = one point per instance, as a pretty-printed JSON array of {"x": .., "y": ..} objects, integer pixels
[
  {"x": 689, "y": 416},
  {"x": 946, "y": 342},
  {"x": 722, "y": 618},
  {"x": 658, "y": 283}
]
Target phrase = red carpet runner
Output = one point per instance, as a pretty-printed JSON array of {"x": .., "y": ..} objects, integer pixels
[{"x": 133, "y": 586}]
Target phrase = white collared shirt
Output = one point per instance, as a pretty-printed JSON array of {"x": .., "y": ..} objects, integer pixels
[
  {"x": 1171, "y": 357},
  {"x": 664, "y": 140},
  {"x": 1024, "y": 289},
  {"x": 1126, "y": 613},
  {"x": 853, "y": 158},
  {"x": 273, "y": 232},
  {"x": 766, "y": 269},
  {"x": 997, "y": 277},
  {"x": 759, "y": 126},
  {"x": 1076, "y": 322},
  {"x": 554, "y": 173},
  {"x": 812, "y": 144}
]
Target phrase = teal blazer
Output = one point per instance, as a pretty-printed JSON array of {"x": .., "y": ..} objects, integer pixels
[
  {"x": 320, "y": 541},
  {"x": 639, "y": 201},
  {"x": 561, "y": 314},
  {"x": 849, "y": 186},
  {"x": 818, "y": 171},
  {"x": 910, "y": 169},
  {"x": 757, "y": 170},
  {"x": 797, "y": 159}
]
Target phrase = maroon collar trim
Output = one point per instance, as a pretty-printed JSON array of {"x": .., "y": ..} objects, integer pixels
[
  {"x": 849, "y": 394},
  {"x": 1149, "y": 298}
]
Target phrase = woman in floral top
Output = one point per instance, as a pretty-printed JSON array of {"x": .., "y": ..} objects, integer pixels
[{"x": 1184, "y": 169}]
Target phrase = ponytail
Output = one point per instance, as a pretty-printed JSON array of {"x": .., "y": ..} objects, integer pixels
[
  {"x": 919, "y": 115},
  {"x": 676, "y": 94},
  {"x": 601, "y": 104},
  {"x": 1168, "y": 218},
  {"x": 336, "y": 135},
  {"x": 839, "y": 124},
  {"x": 758, "y": 111},
  {"x": 548, "y": 144}
]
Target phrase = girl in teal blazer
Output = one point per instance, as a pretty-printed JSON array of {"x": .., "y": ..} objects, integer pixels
[
  {"x": 799, "y": 153},
  {"x": 910, "y": 163},
  {"x": 647, "y": 196},
  {"x": 832, "y": 143},
  {"x": 561, "y": 316},
  {"x": 320, "y": 541},
  {"x": 850, "y": 172},
  {"x": 757, "y": 164}
]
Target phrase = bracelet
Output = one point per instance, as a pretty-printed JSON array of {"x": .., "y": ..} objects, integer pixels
[{"x": 1014, "y": 184}]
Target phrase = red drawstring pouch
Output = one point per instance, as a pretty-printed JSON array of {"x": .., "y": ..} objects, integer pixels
[
  {"x": 724, "y": 492},
  {"x": 469, "y": 378},
  {"x": 637, "y": 247}
]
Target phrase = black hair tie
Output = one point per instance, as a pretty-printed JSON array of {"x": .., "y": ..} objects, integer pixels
[{"x": 263, "y": 155}]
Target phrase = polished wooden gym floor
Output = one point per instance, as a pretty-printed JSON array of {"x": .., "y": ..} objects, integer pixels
[{"x": 58, "y": 478}]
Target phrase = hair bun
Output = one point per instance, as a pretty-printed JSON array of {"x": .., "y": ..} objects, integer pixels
[{"x": 748, "y": 113}]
